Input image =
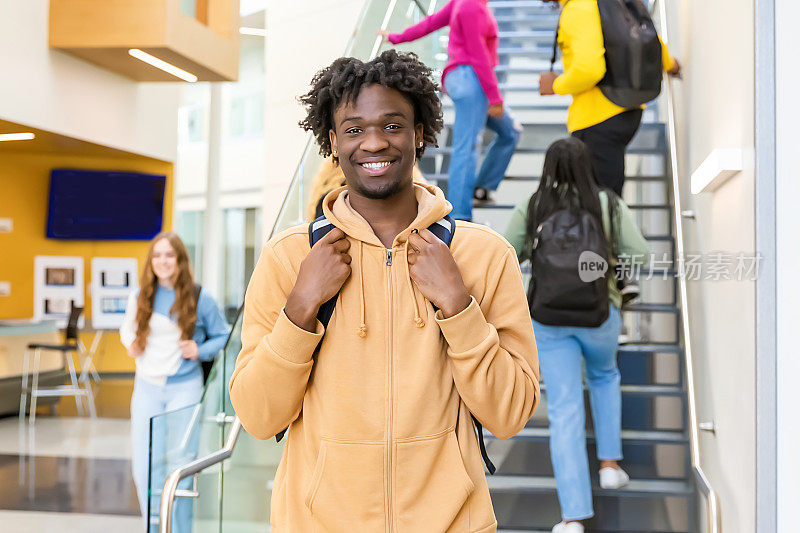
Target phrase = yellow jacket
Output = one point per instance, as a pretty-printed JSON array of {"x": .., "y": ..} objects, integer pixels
[
  {"x": 580, "y": 37},
  {"x": 381, "y": 437}
]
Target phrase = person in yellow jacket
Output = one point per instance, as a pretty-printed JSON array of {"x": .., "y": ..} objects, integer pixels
[
  {"x": 603, "y": 126},
  {"x": 423, "y": 336}
]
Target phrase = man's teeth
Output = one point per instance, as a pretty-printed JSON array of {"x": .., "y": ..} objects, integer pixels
[{"x": 376, "y": 166}]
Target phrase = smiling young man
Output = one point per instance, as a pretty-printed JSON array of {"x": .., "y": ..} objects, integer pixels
[{"x": 379, "y": 403}]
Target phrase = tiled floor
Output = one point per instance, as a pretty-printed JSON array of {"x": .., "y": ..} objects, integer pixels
[
  {"x": 70, "y": 474},
  {"x": 26, "y": 522},
  {"x": 67, "y": 484},
  {"x": 98, "y": 438}
]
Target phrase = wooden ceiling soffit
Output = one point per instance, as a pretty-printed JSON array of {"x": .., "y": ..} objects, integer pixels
[{"x": 103, "y": 31}]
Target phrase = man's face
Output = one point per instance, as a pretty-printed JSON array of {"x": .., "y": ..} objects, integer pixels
[{"x": 375, "y": 139}]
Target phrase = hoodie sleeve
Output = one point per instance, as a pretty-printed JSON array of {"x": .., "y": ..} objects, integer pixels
[
  {"x": 272, "y": 370},
  {"x": 493, "y": 352},
  {"x": 216, "y": 328}
]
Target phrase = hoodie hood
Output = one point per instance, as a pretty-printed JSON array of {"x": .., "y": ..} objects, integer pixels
[{"x": 431, "y": 207}]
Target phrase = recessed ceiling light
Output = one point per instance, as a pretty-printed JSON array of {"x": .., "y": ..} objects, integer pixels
[
  {"x": 17, "y": 136},
  {"x": 163, "y": 65},
  {"x": 258, "y": 32}
]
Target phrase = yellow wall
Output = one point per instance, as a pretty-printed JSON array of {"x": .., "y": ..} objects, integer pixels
[{"x": 24, "y": 183}]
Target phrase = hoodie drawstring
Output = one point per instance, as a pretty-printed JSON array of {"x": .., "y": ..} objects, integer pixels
[
  {"x": 362, "y": 328},
  {"x": 417, "y": 318}
]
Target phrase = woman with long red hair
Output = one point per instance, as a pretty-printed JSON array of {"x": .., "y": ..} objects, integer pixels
[{"x": 168, "y": 329}]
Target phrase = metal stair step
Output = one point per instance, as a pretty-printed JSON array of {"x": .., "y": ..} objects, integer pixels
[
  {"x": 533, "y": 52},
  {"x": 660, "y": 238},
  {"x": 651, "y": 308},
  {"x": 649, "y": 206},
  {"x": 629, "y": 436},
  {"x": 540, "y": 150},
  {"x": 647, "y": 274},
  {"x": 538, "y": 21},
  {"x": 526, "y": 34},
  {"x": 538, "y": 5},
  {"x": 642, "y": 390},
  {"x": 630, "y": 206},
  {"x": 636, "y": 488},
  {"x": 653, "y": 347},
  {"x": 508, "y": 69},
  {"x": 505, "y": 87},
  {"x": 445, "y": 177},
  {"x": 447, "y": 105}
]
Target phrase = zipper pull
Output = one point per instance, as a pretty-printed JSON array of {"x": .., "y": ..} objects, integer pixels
[{"x": 388, "y": 257}]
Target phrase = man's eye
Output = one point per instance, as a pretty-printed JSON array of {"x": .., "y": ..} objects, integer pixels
[
  {"x": 353, "y": 130},
  {"x": 393, "y": 127}
]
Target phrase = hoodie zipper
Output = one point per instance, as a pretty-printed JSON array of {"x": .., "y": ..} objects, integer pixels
[{"x": 389, "y": 447}]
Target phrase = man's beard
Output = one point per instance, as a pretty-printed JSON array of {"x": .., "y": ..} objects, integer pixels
[{"x": 387, "y": 191}]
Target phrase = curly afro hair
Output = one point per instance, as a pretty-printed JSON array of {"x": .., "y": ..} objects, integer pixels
[{"x": 342, "y": 81}]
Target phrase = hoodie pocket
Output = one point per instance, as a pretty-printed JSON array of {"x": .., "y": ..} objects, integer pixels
[
  {"x": 346, "y": 491},
  {"x": 432, "y": 484}
]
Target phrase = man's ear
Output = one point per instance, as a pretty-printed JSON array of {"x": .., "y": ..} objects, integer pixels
[
  {"x": 334, "y": 143},
  {"x": 419, "y": 134}
]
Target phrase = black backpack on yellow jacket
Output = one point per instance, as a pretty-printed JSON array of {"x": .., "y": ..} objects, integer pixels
[{"x": 632, "y": 53}]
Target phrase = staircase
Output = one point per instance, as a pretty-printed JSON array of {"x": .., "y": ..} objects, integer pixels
[{"x": 661, "y": 496}]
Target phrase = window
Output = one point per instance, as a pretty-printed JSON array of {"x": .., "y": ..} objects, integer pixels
[
  {"x": 246, "y": 115},
  {"x": 241, "y": 238},
  {"x": 191, "y": 124},
  {"x": 189, "y": 226}
]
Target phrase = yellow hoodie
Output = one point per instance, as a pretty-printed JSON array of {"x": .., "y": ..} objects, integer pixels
[
  {"x": 381, "y": 438},
  {"x": 580, "y": 37}
]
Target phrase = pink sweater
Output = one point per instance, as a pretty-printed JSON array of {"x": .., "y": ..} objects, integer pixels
[{"x": 473, "y": 40}]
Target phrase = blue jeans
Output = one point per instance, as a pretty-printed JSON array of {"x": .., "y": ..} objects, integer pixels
[
  {"x": 471, "y": 106},
  {"x": 561, "y": 350},
  {"x": 148, "y": 401}
]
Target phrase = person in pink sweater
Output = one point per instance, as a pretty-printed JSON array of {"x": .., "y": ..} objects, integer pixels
[{"x": 471, "y": 83}]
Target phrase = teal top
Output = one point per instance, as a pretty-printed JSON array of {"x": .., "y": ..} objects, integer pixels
[{"x": 630, "y": 241}]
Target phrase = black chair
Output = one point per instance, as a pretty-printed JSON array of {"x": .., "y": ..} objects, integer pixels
[{"x": 69, "y": 349}]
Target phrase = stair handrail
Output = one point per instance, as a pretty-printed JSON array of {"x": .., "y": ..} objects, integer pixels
[
  {"x": 712, "y": 500},
  {"x": 170, "y": 490}
]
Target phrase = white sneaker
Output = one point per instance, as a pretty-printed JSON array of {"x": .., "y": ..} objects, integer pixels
[
  {"x": 571, "y": 527},
  {"x": 613, "y": 478}
]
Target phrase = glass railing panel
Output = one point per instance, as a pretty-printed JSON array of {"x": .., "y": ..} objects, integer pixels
[
  {"x": 177, "y": 438},
  {"x": 181, "y": 436}
]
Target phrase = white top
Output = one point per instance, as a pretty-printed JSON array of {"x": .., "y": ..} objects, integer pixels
[{"x": 162, "y": 354}]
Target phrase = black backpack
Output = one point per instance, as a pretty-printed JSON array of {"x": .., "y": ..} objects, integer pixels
[
  {"x": 570, "y": 268},
  {"x": 633, "y": 53},
  {"x": 444, "y": 230}
]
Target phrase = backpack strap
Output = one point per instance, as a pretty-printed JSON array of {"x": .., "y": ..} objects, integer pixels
[
  {"x": 316, "y": 231},
  {"x": 444, "y": 230},
  {"x": 555, "y": 41}
]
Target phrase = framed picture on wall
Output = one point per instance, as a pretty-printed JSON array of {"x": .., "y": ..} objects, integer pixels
[
  {"x": 113, "y": 279},
  {"x": 57, "y": 281},
  {"x": 59, "y": 277}
]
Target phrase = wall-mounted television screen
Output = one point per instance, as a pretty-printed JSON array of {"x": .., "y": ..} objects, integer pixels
[{"x": 104, "y": 205}]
